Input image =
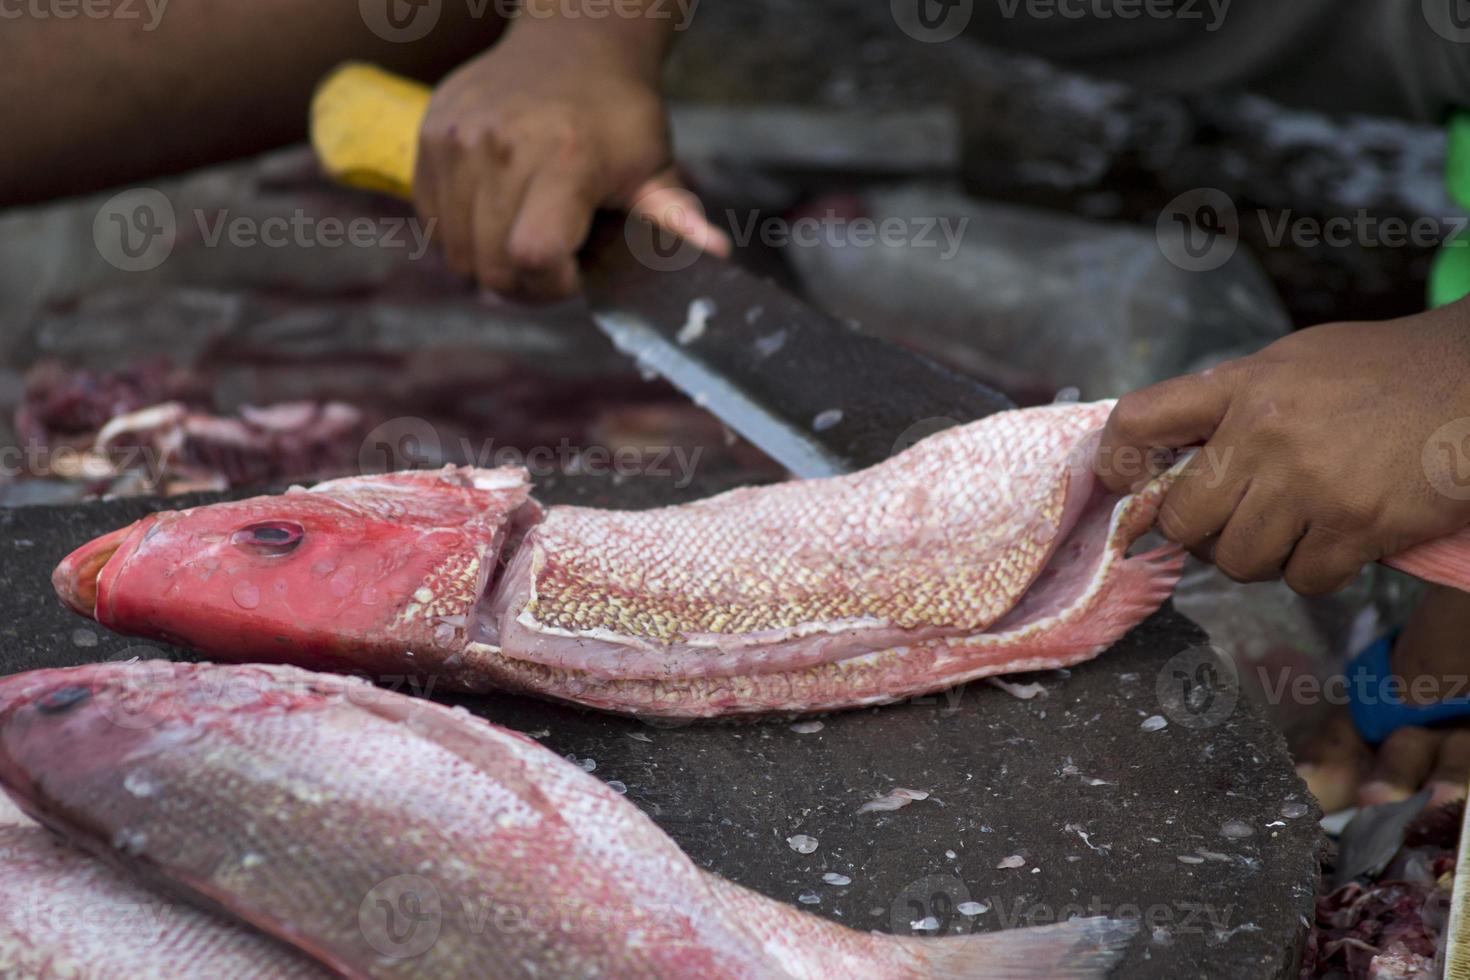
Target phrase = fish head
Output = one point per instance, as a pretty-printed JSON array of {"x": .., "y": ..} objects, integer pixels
[
  {"x": 66, "y": 734},
  {"x": 349, "y": 574},
  {"x": 61, "y": 727}
]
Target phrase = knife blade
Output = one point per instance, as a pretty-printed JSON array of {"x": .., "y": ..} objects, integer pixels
[{"x": 811, "y": 391}]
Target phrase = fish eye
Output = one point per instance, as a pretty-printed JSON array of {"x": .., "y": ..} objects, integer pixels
[
  {"x": 63, "y": 699},
  {"x": 269, "y": 538}
]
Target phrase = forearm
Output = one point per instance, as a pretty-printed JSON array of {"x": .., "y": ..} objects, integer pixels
[
  {"x": 628, "y": 35},
  {"x": 93, "y": 103}
]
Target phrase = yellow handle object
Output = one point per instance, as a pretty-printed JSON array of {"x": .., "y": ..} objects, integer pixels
[{"x": 365, "y": 127}]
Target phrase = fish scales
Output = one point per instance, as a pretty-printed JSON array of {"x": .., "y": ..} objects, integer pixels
[
  {"x": 66, "y": 914},
  {"x": 947, "y": 538},
  {"x": 284, "y": 803},
  {"x": 984, "y": 549}
]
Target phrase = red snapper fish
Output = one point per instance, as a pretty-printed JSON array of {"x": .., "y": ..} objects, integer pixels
[
  {"x": 387, "y": 836},
  {"x": 984, "y": 549},
  {"x": 67, "y": 914}
]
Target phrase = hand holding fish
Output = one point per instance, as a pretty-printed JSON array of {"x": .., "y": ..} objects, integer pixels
[
  {"x": 523, "y": 144},
  {"x": 1329, "y": 449}
]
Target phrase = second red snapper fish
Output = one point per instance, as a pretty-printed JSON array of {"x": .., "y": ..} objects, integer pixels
[
  {"x": 985, "y": 549},
  {"x": 386, "y": 836},
  {"x": 66, "y": 914}
]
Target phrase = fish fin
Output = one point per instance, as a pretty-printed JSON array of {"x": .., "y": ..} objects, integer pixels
[
  {"x": 1134, "y": 590},
  {"x": 1443, "y": 561},
  {"x": 1070, "y": 950}
]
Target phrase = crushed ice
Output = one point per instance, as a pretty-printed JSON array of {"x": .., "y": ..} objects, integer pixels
[
  {"x": 826, "y": 420},
  {"x": 1153, "y": 723},
  {"x": 695, "y": 324},
  {"x": 802, "y": 843},
  {"x": 1023, "y": 691},
  {"x": 1236, "y": 829},
  {"x": 894, "y": 800}
]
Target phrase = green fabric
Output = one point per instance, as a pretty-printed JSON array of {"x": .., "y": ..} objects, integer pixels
[
  {"x": 1457, "y": 159},
  {"x": 1449, "y": 277}
]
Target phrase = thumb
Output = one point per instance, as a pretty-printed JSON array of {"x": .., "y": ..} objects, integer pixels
[
  {"x": 665, "y": 201},
  {"x": 1157, "y": 420}
]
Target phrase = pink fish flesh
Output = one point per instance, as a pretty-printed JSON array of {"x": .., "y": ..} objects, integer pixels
[
  {"x": 985, "y": 549},
  {"x": 387, "y": 836}
]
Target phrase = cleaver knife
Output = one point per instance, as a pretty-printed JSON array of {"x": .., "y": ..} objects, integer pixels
[{"x": 813, "y": 393}]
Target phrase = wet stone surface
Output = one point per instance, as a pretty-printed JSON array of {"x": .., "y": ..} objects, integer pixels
[{"x": 1036, "y": 809}]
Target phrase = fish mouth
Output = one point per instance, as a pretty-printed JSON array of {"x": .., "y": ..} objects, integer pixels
[{"x": 76, "y": 578}]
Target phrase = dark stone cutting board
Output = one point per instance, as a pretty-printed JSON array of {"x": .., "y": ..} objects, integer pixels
[{"x": 1110, "y": 815}]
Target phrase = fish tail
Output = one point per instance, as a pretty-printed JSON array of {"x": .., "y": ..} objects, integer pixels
[
  {"x": 1443, "y": 561},
  {"x": 803, "y": 944},
  {"x": 1071, "y": 950}
]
